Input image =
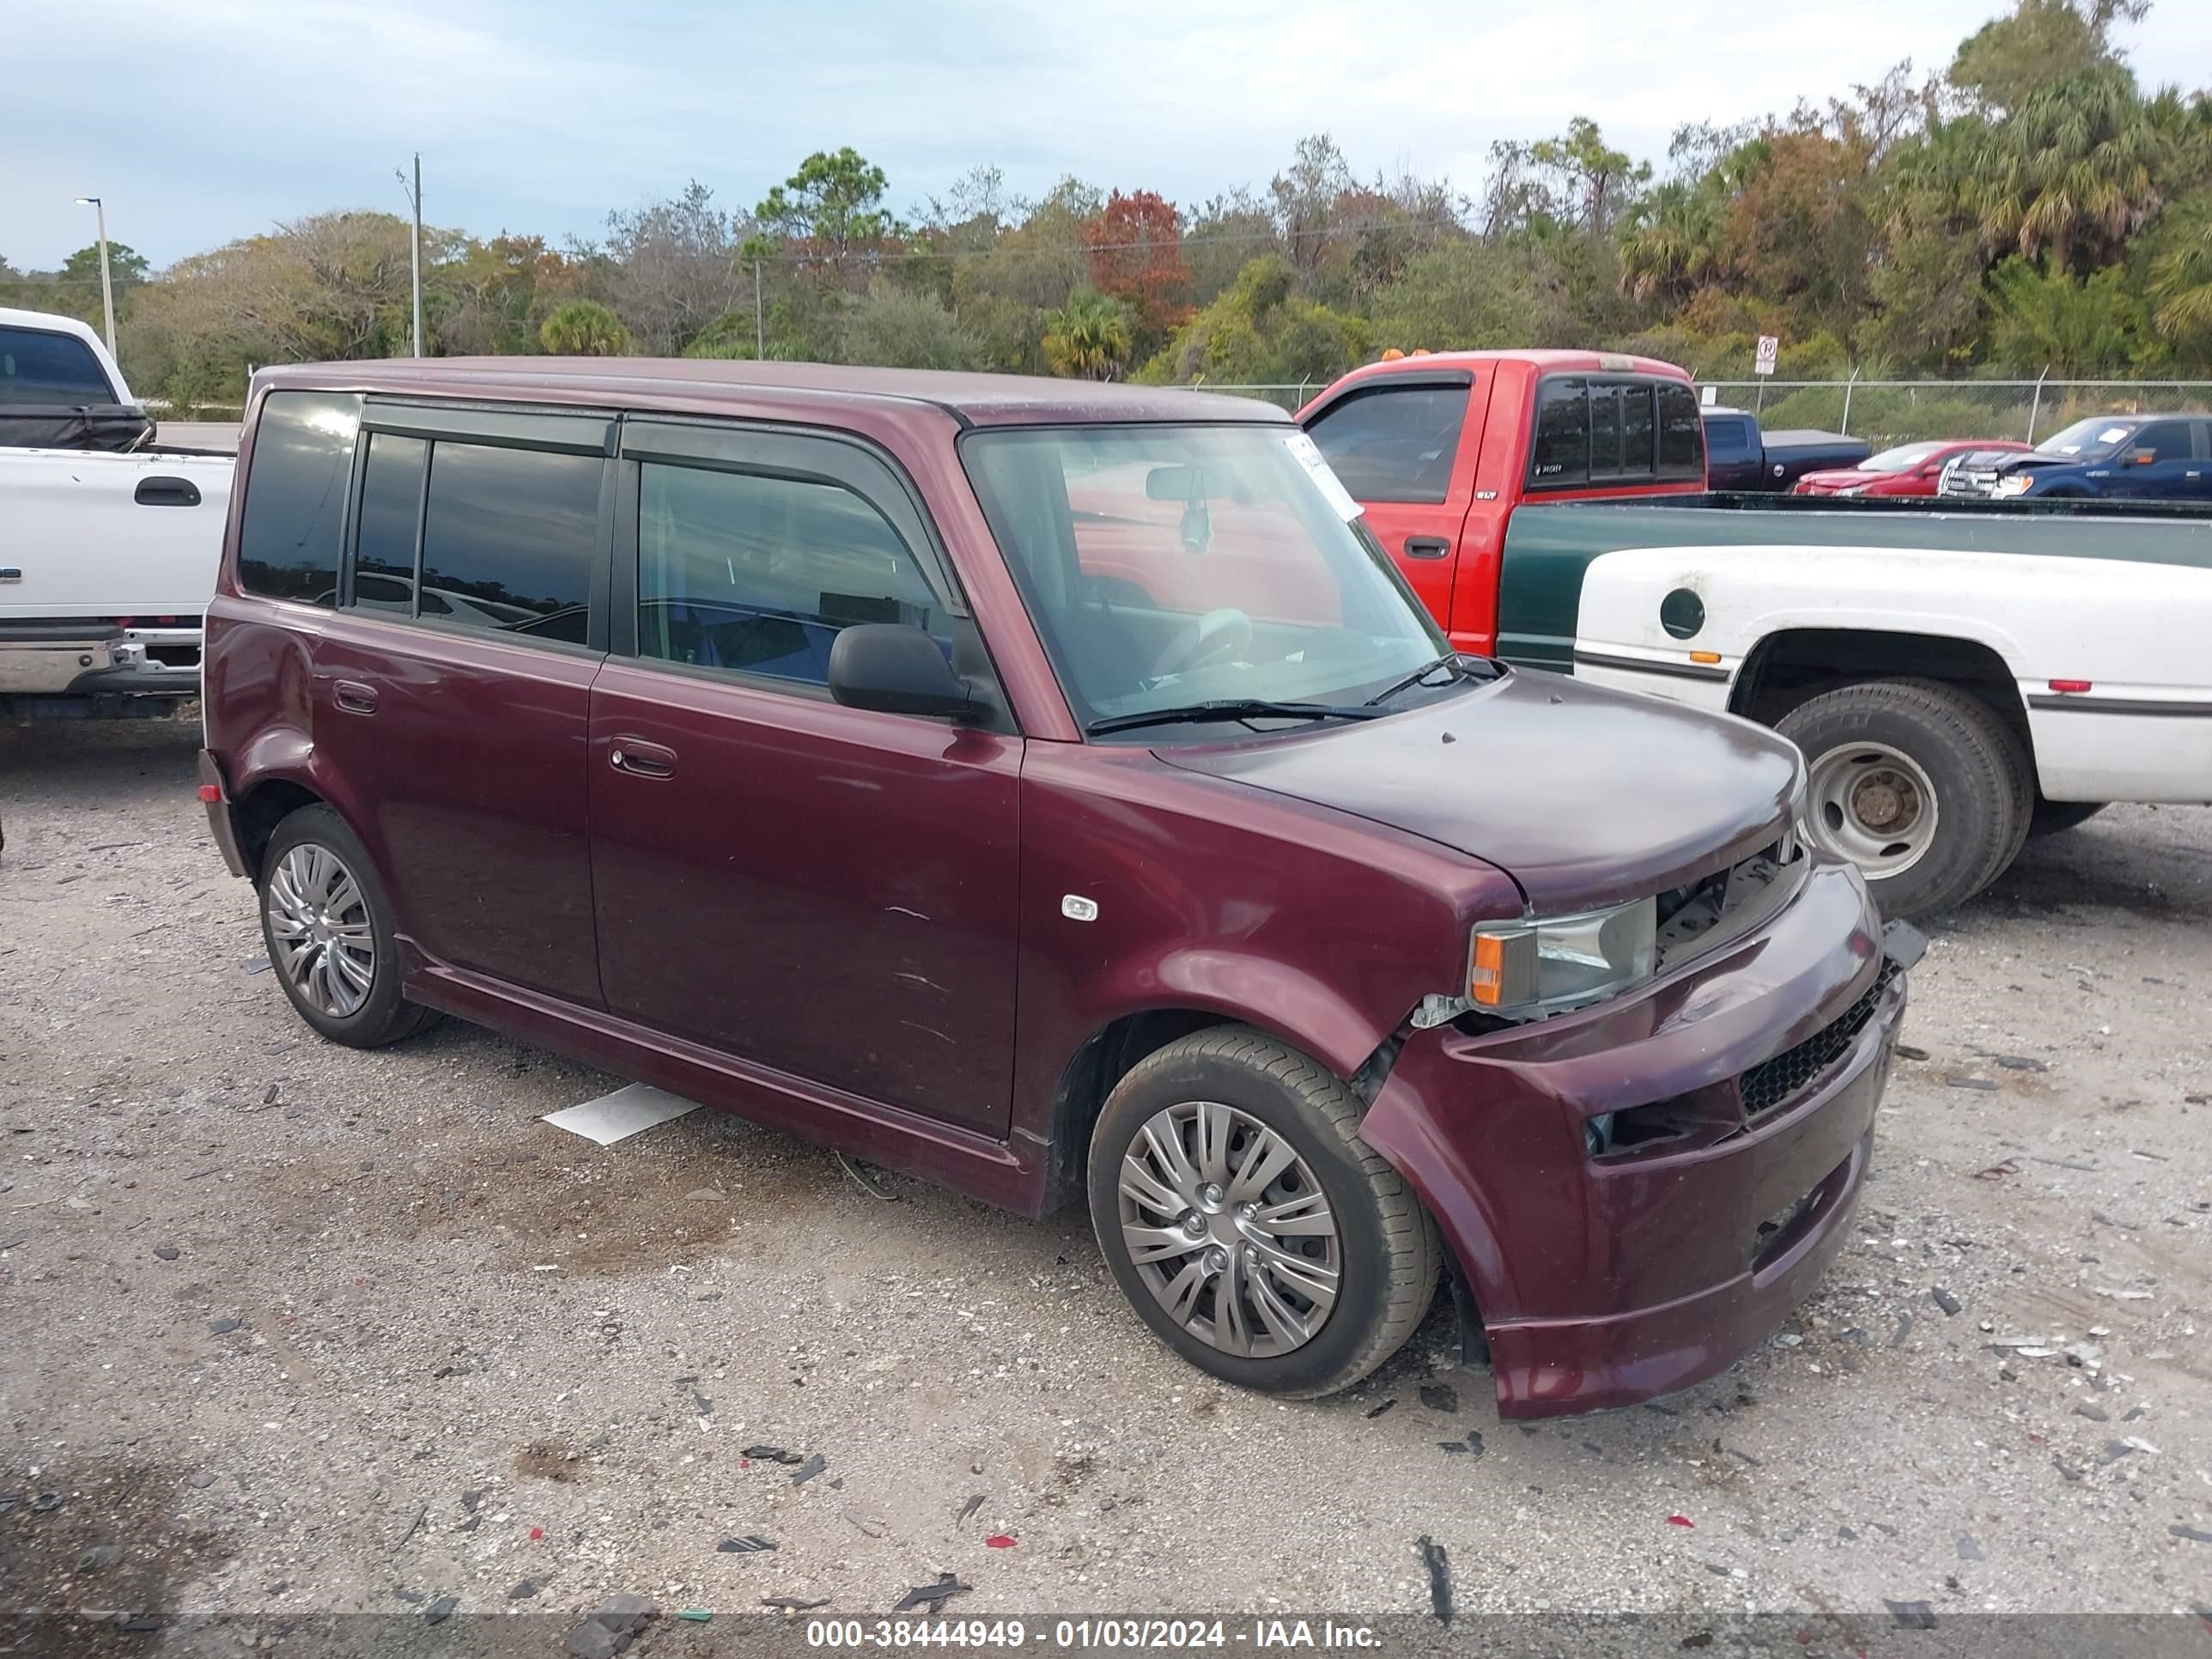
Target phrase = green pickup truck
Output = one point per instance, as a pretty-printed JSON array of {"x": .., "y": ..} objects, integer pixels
[
  {"x": 1958, "y": 676},
  {"x": 1958, "y": 679}
]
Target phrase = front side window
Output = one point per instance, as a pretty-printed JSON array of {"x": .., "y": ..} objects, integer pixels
[
  {"x": 757, "y": 574},
  {"x": 1395, "y": 443},
  {"x": 2165, "y": 440},
  {"x": 510, "y": 537},
  {"x": 1729, "y": 437},
  {"x": 1169, "y": 566},
  {"x": 295, "y": 494},
  {"x": 39, "y": 367}
]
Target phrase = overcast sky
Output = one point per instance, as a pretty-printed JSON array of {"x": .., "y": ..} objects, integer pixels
[{"x": 204, "y": 120}]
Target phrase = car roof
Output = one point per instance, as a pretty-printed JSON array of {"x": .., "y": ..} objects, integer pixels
[
  {"x": 47, "y": 322},
  {"x": 800, "y": 389}
]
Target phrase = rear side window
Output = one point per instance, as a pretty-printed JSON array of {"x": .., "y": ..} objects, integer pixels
[
  {"x": 510, "y": 539},
  {"x": 39, "y": 367},
  {"x": 1681, "y": 432},
  {"x": 757, "y": 574},
  {"x": 295, "y": 493},
  {"x": 390, "y": 520},
  {"x": 1559, "y": 454},
  {"x": 1395, "y": 443}
]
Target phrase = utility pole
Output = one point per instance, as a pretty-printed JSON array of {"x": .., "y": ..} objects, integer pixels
[
  {"x": 415, "y": 201},
  {"x": 107, "y": 288},
  {"x": 760, "y": 332}
]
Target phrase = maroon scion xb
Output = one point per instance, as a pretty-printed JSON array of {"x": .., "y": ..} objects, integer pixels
[{"x": 1053, "y": 790}]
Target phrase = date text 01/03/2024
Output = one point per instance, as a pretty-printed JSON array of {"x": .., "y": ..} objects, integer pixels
[{"x": 1258, "y": 1635}]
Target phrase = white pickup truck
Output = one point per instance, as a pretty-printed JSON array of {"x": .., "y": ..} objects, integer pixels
[
  {"x": 108, "y": 543},
  {"x": 1958, "y": 681}
]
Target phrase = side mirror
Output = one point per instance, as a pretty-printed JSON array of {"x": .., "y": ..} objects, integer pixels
[
  {"x": 2142, "y": 457},
  {"x": 897, "y": 670}
]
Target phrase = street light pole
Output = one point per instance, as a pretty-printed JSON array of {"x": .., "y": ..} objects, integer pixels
[
  {"x": 106, "y": 286},
  {"x": 414, "y": 248}
]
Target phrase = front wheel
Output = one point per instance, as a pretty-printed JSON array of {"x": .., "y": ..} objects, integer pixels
[
  {"x": 1246, "y": 1222},
  {"x": 1918, "y": 783}
]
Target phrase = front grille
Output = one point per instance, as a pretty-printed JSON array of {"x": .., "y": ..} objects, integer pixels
[{"x": 1774, "y": 1083}]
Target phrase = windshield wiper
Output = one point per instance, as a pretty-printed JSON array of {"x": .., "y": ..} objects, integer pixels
[
  {"x": 1231, "y": 708},
  {"x": 1449, "y": 659}
]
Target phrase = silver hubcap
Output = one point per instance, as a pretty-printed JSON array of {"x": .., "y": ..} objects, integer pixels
[
  {"x": 1872, "y": 804},
  {"x": 1230, "y": 1230},
  {"x": 318, "y": 930}
]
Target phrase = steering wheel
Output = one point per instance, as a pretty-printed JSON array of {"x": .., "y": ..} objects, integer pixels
[{"x": 1217, "y": 633}]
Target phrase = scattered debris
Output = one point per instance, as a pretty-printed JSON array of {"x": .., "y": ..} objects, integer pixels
[
  {"x": 45, "y": 1503},
  {"x": 1958, "y": 1081},
  {"x": 1910, "y": 1615},
  {"x": 1998, "y": 1171},
  {"x": 1438, "y": 1562},
  {"x": 2094, "y": 1413},
  {"x": 167, "y": 1252},
  {"x": 790, "y": 1603},
  {"x": 705, "y": 1195},
  {"x": 1970, "y": 1548},
  {"x": 1903, "y": 1330},
  {"x": 257, "y": 965},
  {"x": 422, "y": 1514},
  {"x": 772, "y": 1455},
  {"x": 974, "y": 1502},
  {"x": 702, "y": 1615},
  {"x": 1949, "y": 1303},
  {"x": 1680, "y": 1521},
  {"x": 629, "y": 1110},
  {"x": 2020, "y": 1063},
  {"x": 1907, "y": 1051},
  {"x": 1440, "y": 1397},
  {"x": 813, "y": 1467},
  {"x": 1381, "y": 1408},
  {"x": 224, "y": 1326},
  {"x": 441, "y": 1610},
  {"x": 199, "y": 1482},
  {"x": 98, "y": 1557},
  {"x": 876, "y": 1527},
  {"x": 1000, "y": 1541},
  {"x": 931, "y": 1596},
  {"x": 524, "y": 1590},
  {"x": 751, "y": 1544},
  {"x": 2194, "y": 1535},
  {"x": 860, "y": 1179}
]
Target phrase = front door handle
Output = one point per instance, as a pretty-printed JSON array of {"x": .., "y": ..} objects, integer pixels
[
  {"x": 354, "y": 697},
  {"x": 1426, "y": 547},
  {"x": 641, "y": 759}
]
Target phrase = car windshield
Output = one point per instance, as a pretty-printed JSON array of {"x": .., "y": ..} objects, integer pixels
[
  {"x": 2086, "y": 440},
  {"x": 1903, "y": 458},
  {"x": 1170, "y": 566}
]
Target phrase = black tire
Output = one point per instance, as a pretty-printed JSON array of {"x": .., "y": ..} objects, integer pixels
[
  {"x": 383, "y": 1016},
  {"x": 2050, "y": 817},
  {"x": 1388, "y": 1250},
  {"x": 1977, "y": 769}
]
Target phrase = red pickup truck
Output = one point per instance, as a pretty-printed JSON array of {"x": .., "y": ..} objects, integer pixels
[{"x": 1440, "y": 449}]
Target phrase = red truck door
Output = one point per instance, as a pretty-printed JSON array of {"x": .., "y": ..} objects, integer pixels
[{"x": 1404, "y": 444}]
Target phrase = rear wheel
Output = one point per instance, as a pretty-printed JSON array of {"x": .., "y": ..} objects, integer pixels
[
  {"x": 329, "y": 931},
  {"x": 1918, "y": 783},
  {"x": 2052, "y": 816},
  {"x": 1246, "y": 1222}
]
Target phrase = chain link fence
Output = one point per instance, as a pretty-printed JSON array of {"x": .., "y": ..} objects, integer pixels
[{"x": 1886, "y": 412}]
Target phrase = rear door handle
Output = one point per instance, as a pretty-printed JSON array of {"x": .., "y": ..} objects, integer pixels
[
  {"x": 641, "y": 759},
  {"x": 167, "y": 492},
  {"x": 1426, "y": 547},
  {"x": 354, "y": 697}
]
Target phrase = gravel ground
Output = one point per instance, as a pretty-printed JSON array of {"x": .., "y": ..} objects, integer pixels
[{"x": 291, "y": 1328}]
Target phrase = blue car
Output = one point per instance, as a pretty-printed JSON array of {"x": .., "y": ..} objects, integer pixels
[{"x": 2167, "y": 458}]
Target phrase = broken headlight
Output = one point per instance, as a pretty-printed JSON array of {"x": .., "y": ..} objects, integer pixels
[{"x": 1547, "y": 965}]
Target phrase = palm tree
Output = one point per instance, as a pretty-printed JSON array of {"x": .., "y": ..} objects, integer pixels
[
  {"x": 1667, "y": 244},
  {"x": 584, "y": 328},
  {"x": 2076, "y": 170},
  {"x": 1089, "y": 337},
  {"x": 2181, "y": 278}
]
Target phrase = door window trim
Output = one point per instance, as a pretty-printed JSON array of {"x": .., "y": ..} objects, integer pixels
[
  {"x": 555, "y": 431},
  {"x": 794, "y": 454}
]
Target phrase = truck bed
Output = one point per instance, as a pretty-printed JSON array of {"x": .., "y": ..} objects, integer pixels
[{"x": 1548, "y": 547}]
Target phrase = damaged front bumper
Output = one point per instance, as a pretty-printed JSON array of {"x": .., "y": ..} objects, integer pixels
[{"x": 1638, "y": 1193}]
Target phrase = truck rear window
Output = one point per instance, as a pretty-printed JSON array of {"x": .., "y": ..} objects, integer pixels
[
  {"x": 40, "y": 368},
  {"x": 296, "y": 495},
  {"x": 1594, "y": 430}
]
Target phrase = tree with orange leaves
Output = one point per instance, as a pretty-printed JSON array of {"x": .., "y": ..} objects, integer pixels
[{"x": 1135, "y": 247}]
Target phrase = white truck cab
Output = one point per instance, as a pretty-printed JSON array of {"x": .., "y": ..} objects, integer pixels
[{"x": 109, "y": 542}]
